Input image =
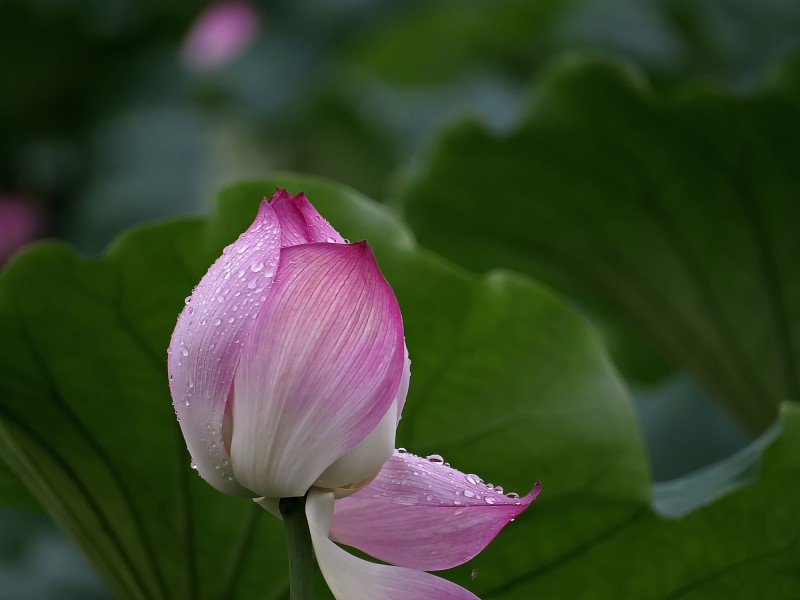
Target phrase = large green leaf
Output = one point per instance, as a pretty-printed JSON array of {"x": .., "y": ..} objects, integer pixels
[
  {"x": 430, "y": 42},
  {"x": 507, "y": 382},
  {"x": 673, "y": 215}
]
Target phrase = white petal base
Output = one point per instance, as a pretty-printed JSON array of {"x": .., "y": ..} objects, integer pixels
[{"x": 351, "y": 578}]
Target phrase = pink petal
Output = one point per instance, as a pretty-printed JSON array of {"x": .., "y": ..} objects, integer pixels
[
  {"x": 208, "y": 340},
  {"x": 422, "y": 514},
  {"x": 300, "y": 221},
  {"x": 320, "y": 371},
  {"x": 351, "y": 578}
]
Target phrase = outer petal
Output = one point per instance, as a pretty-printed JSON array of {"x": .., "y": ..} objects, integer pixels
[
  {"x": 351, "y": 578},
  {"x": 300, "y": 221},
  {"x": 208, "y": 341},
  {"x": 320, "y": 371},
  {"x": 422, "y": 514}
]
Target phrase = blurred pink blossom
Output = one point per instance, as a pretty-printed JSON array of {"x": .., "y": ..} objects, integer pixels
[
  {"x": 219, "y": 34},
  {"x": 21, "y": 222}
]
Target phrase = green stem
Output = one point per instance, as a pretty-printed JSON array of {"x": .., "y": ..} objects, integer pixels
[{"x": 301, "y": 553}]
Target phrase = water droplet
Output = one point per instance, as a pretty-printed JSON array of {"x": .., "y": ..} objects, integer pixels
[
  {"x": 231, "y": 319},
  {"x": 194, "y": 465},
  {"x": 402, "y": 451},
  {"x": 474, "y": 479},
  {"x": 203, "y": 321},
  {"x": 457, "y": 502},
  {"x": 435, "y": 458},
  {"x": 242, "y": 249},
  {"x": 251, "y": 285},
  {"x": 513, "y": 495},
  {"x": 184, "y": 351},
  {"x": 458, "y": 511},
  {"x": 489, "y": 486},
  {"x": 330, "y": 240},
  {"x": 428, "y": 497},
  {"x": 217, "y": 322},
  {"x": 498, "y": 489},
  {"x": 489, "y": 500},
  {"x": 256, "y": 267},
  {"x": 187, "y": 299},
  {"x": 469, "y": 493}
]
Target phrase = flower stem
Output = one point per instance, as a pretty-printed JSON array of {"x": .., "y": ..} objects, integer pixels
[{"x": 301, "y": 552}]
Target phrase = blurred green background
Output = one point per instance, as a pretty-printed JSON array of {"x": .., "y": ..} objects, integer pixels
[{"x": 105, "y": 123}]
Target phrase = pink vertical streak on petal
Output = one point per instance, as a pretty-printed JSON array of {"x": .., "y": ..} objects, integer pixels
[
  {"x": 320, "y": 371},
  {"x": 351, "y": 578},
  {"x": 300, "y": 221},
  {"x": 219, "y": 34},
  {"x": 208, "y": 339},
  {"x": 21, "y": 221},
  {"x": 424, "y": 515}
]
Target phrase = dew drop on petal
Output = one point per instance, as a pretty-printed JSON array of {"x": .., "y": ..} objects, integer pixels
[
  {"x": 489, "y": 500},
  {"x": 402, "y": 451},
  {"x": 513, "y": 495},
  {"x": 474, "y": 479},
  {"x": 217, "y": 322},
  {"x": 469, "y": 493},
  {"x": 256, "y": 267},
  {"x": 498, "y": 489},
  {"x": 435, "y": 458}
]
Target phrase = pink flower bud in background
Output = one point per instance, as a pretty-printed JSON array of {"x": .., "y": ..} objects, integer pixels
[
  {"x": 21, "y": 221},
  {"x": 219, "y": 34}
]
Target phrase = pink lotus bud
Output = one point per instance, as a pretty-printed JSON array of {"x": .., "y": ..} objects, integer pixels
[
  {"x": 287, "y": 365},
  {"x": 220, "y": 33}
]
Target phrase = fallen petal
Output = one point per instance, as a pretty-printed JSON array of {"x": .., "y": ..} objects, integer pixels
[
  {"x": 422, "y": 514},
  {"x": 351, "y": 578}
]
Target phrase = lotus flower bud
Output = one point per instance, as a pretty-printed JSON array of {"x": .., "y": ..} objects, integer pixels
[{"x": 287, "y": 366}]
